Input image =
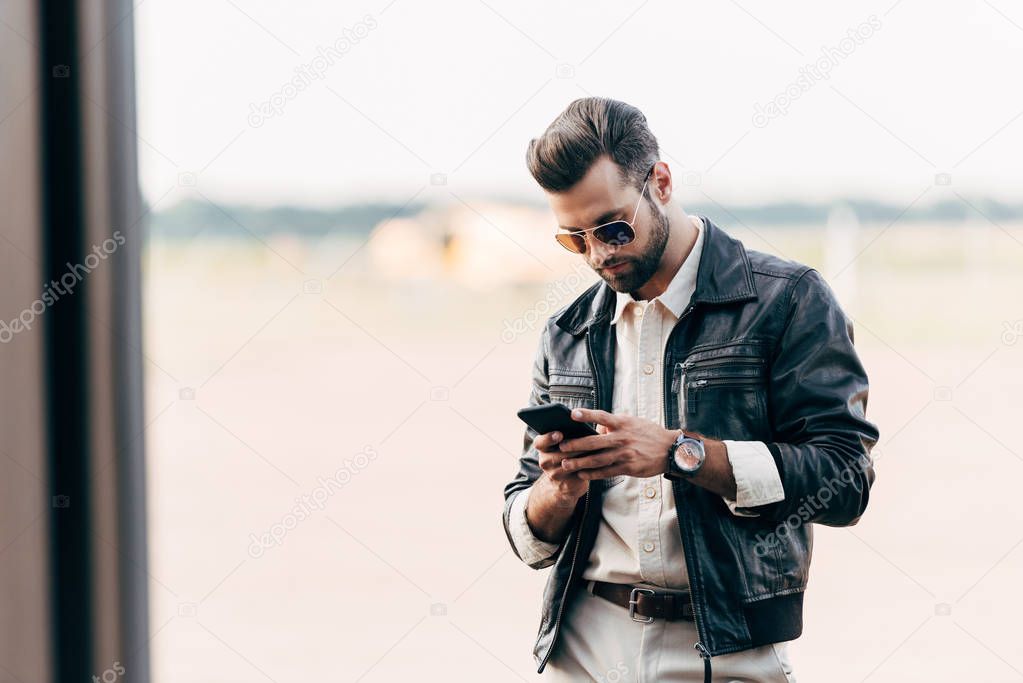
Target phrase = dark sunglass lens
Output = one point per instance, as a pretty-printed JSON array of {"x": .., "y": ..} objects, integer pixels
[{"x": 616, "y": 234}]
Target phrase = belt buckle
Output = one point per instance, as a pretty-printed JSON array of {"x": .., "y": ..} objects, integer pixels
[{"x": 633, "y": 602}]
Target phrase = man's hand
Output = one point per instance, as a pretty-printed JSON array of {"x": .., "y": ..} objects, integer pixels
[
  {"x": 625, "y": 445},
  {"x": 639, "y": 448},
  {"x": 554, "y": 494},
  {"x": 563, "y": 485}
]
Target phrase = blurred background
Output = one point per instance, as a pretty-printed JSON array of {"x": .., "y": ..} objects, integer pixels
[{"x": 344, "y": 267}]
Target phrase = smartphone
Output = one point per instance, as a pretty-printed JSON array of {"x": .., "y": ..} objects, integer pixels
[{"x": 555, "y": 417}]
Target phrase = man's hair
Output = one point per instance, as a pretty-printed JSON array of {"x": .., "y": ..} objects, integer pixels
[{"x": 591, "y": 127}]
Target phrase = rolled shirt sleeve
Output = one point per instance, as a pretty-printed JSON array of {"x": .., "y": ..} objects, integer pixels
[
  {"x": 757, "y": 480},
  {"x": 531, "y": 549}
]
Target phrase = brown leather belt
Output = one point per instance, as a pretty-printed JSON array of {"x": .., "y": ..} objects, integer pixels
[{"x": 645, "y": 602}]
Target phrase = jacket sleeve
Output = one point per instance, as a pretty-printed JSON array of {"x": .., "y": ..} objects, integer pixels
[
  {"x": 817, "y": 397},
  {"x": 529, "y": 468}
]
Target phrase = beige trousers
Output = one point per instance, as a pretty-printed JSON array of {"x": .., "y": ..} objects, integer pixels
[{"x": 600, "y": 642}]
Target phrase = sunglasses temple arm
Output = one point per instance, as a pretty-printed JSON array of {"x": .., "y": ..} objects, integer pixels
[{"x": 636, "y": 212}]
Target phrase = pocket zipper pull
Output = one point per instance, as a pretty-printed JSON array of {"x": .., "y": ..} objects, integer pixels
[{"x": 676, "y": 376}]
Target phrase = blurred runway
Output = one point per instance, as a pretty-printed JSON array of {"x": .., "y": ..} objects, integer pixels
[{"x": 268, "y": 380}]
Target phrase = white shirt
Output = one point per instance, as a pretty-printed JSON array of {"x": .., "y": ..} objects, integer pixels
[{"x": 639, "y": 541}]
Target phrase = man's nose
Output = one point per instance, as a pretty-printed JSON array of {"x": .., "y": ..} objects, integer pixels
[{"x": 599, "y": 251}]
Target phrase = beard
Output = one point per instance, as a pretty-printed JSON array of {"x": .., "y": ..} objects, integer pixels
[{"x": 646, "y": 263}]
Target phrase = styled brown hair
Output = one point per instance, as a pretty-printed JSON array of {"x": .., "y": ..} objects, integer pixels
[{"x": 589, "y": 128}]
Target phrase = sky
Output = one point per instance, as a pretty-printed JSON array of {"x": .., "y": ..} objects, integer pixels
[{"x": 751, "y": 102}]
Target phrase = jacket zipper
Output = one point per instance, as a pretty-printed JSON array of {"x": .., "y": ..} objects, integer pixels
[
  {"x": 572, "y": 390},
  {"x": 678, "y": 379},
  {"x": 692, "y": 387},
  {"x": 705, "y": 656},
  {"x": 697, "y": 615},
  {"x": 721, "y": 381},
  {"x": 679, "y": 373},
  {"x": 582, "y": 520},
  {"x": 568, "y": 584},
  {"x": 728, "y": 360}
]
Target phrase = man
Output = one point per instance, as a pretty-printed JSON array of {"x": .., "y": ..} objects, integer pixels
[{"x": 730, "y": 409}]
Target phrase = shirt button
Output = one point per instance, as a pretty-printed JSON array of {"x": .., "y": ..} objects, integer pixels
[
  {"x": 651, "y": 492},
  {"x": 648, "y": 369},
  {"x": 649, "y": 547}
]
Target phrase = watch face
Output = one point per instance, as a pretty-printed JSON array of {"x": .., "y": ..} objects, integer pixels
[{"x": 689, "y": 454}]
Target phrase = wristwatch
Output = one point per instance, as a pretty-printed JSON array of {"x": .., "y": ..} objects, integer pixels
[{"x": 685, "y": 456}]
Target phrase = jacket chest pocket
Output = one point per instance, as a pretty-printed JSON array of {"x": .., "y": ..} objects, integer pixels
[
  {"x": 722, "y": 392},
  {"x": 576, "y": 389}
]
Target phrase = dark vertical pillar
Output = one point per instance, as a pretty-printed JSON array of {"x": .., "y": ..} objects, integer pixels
[{"x": 66, "y": 343}]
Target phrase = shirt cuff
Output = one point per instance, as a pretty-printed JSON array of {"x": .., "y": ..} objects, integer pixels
[
  {"x": 531, "y": 549},
  {"x": 757, "y": 480}
]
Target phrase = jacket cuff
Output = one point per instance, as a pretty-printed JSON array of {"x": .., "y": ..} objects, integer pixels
[
  {"x": 757, "y": 480},
  {"x": 530, "y": 548}
]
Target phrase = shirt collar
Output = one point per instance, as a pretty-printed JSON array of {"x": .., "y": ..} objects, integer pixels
[{"x": 679, "y": 291}]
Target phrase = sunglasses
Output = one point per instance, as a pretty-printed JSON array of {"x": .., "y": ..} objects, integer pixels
[{"x": 616, "y": 233}]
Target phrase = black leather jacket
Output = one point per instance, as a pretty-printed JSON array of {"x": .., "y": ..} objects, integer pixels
[{"x": 765, "y": 353}]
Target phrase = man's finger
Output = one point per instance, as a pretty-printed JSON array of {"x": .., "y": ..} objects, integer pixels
[
  {"x": 589, "y": 462},
  {"x": 547, "y": 442},
  {"x": 551, "y": 463},
  {"x": 590, "y": 443},
  {"x": 601, "y": 417}
]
